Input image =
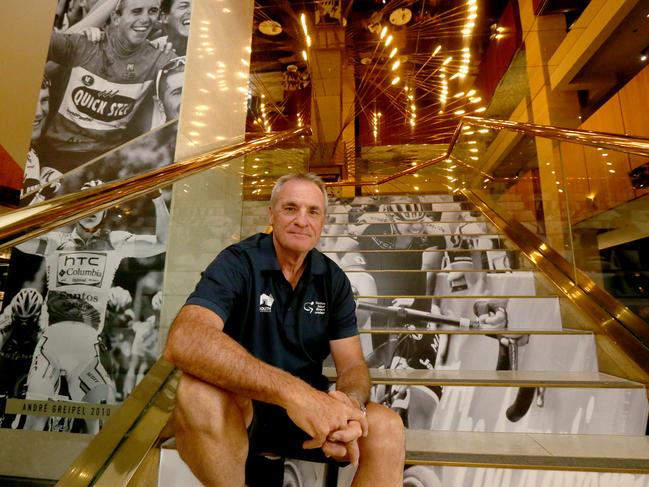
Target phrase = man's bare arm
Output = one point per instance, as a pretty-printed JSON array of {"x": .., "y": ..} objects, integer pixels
[
  {"x": 352, "y": 388},
  {"x": 351, "y": 368},
  {"x": 198, "y": 346},
  {"x": 147, "y": 247}
]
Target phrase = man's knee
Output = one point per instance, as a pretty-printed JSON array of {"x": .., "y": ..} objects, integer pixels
[
  {"x": 385, "y": 427},
  {"x": 206, "y": 409}
]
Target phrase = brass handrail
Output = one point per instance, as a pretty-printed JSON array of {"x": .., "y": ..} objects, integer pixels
[
  {"x": 29, "y": 222},
  {"x": 631, "y": 145}
]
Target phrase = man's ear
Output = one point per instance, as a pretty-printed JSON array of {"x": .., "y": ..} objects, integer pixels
[
  {"x": 164, "y": 18},
  {"x": 114, "y": 18},
  {"x": 270, "y": 215}
]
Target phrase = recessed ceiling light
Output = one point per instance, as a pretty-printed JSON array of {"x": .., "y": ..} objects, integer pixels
[
  {"x": 400, "y": 16},
  {"x": 270, "y": 27}
]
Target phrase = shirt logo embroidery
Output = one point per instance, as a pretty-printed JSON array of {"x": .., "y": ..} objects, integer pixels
[
  {"x": 266, "y": 302},
  {"x": 315, "y": 307}
]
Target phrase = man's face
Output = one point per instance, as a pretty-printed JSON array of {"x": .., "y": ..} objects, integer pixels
[
  {"x": 42, "y": 109},
  {"x": 172, "y": 90},
  {"x": 178, "y": 18},
  {"x": 407, "y": 228},
  {"x": 136, "y": 20},
  {"x": 297, "y": 216},
  {"x": 90, "y": 223}
]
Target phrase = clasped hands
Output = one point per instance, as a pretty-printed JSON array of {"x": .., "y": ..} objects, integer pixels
[{"x": 335, "y": 423}]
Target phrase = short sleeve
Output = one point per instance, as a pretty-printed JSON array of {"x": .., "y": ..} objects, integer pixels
[
  {"x": 222, "y": 284},
  {"x": 343, "y": 324}
]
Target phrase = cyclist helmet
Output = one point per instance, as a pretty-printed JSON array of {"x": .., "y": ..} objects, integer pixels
[
  {"x": 404, "y": 212},
  {"x": 27, "y": 304}
]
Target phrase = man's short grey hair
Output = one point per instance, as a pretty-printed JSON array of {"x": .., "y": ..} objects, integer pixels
[{"x": 300, "y": 176}]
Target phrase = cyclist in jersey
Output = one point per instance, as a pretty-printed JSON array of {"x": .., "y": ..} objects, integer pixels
[
  {"x": 144, "y": 348},
  {"x": 80, "y": 268},
  {"x": 19, "y": 332},
  {"x": 176, "y": 19},
  {"x": 107, "y": 84},
  {"x": 401, "y": 225},
  {"x": 168, "y": 92},
  {"x": 37, "y": 178}
]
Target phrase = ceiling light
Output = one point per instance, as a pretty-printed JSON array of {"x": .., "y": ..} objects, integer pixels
[
  {"x": 393, "y": 52},
  {"x": 395, "y": 65},
  {"x": 447, "y": 60},
  {"x": 303, "y": 22},
  {"x": 437, "y": 49},
  {"x": 396, "y": 80},
  {"x": 308, "y": 41},
  {"x": 304, "y": 55},
  {"x": 388, "y": 40},
  {"x": 270, "y": 27},
  {"x": 384, "y": 31}
]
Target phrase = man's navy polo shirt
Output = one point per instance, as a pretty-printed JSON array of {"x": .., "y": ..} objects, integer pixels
[{"x": 285, "y": 327}]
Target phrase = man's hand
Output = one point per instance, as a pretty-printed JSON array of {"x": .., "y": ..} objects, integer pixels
[
  {"x": 318, "y": 414},
  {"x": 161, "y": 45},
  {"x": 491, "y": 314},
  {"x": 343, "y": 443},
  {"x": 93, "y": 34},
  {"x": 403, "y": 302}
]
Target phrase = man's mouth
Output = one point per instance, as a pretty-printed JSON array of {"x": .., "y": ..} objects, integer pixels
[
  {"x": 141, "y": 28},
  {"x": 37, "y": 122},
  {"x": 186, "y": 22}
]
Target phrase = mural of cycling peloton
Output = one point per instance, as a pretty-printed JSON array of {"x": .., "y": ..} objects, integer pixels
[{"x": 429, "y": 263}]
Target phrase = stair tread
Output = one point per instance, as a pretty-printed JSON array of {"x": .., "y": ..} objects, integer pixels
[
  {"x": 495, "y": 378},
  {"x": 374, "y": 329},
  {"x": 453, "y": 296},
  {"x": 436, "y": 234},
  {"x": 610, "y": 453},
  {"x": 445, "y": 271},
  {"x": 396, "y": 251}
]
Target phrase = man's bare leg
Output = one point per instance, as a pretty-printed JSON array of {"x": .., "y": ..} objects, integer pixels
[
  {"x": 382, "y": 452},
  {"x": 211, "y": 436}
]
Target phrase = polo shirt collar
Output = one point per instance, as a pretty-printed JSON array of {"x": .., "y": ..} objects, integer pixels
[{"x": 269, "y": 262}]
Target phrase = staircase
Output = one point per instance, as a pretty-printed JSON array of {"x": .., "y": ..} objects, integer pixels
[
  {"x": 517, "y": 402},
  {"x": 511, "y": 398}
]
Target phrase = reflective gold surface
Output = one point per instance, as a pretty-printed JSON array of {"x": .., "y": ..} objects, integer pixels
[
  {"x": 127, "y": 422},
  {"x": 632, "y": 145},
  {"x": 29, "y": 222}
]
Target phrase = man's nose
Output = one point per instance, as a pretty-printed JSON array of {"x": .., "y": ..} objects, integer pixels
[{"x": 301, "y": 217}]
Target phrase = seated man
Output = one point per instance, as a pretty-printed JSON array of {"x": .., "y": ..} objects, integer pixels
[{"x": 251, "y": 341}]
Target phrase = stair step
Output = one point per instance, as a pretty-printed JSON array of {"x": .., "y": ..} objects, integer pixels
[
  {"x": 494, "y": 378},
  {"x": 379, "y": 218},
  {"x": 377, "y": 329},
  {"x": 596, "y": 453},
  {"x": 432, "y": 234},
  {"x": 440, "y": 271},
  {"x": 485, "y": 351},
  {"x": 395, "y": 252}
]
